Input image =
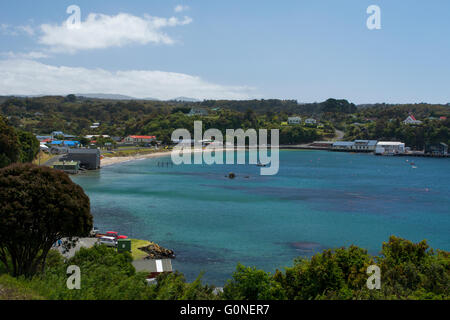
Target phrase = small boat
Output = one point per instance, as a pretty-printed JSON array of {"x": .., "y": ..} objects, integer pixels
[{"x": 261, "y": 165}]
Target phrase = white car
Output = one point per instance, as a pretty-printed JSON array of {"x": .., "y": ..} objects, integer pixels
[{"x": 108, "y": 241}]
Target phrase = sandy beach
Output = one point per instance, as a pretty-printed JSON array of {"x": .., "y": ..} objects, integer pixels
[{"x": 108, "y": 161}]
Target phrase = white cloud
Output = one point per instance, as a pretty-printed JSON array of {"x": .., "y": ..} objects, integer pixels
[
  {"x": 26, "y": 29},
  {"x": 9, "y": 30},
  {"x": 102, "y": 31},
  {"x": 26, "y": 55},
  {"x": 180, "y": 8},
  {"x": 29, "y": 77}
]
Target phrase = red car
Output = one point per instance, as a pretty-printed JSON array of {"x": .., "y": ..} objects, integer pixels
[{"x": 112, "y": 234}]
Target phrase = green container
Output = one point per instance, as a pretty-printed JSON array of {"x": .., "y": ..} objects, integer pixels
[{"x": 123, "y": 245}]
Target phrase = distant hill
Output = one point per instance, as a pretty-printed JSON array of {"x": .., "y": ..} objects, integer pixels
[
  {"x": 105, "y": 96},
  {"x": 185, "y": 99},
  {"x": 124, "y": 97}
]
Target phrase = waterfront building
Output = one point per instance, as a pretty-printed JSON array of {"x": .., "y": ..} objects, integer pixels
[
  {"x": 365, "y": 145},
  {"x": 88, "y": 158},
  {"x": 389, "y": 148},
  {"x": 343, "y": 145},
  {"x": 439, "y": 149},
  {"x": 294, "y": 120},
  {"x": 153, "y": 267}
]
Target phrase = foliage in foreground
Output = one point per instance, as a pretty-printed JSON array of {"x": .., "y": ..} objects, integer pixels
[
  {"x": 107, "y": 275},
  {"x": 408, "y": 271},
  {"x": 38, "y": 206},
  {"x": 16, "y": 145}
]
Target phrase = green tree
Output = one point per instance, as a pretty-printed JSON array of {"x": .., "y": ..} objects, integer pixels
[
  {"x": 38, "y": 206},
  {"x": 330, "y": 274},
  {"x": 29, "y": 146},
  {"x": 71, "y": 98},
  {"x": 9, "y": 144},
  {"x": 252, "y": 284},
  {"x": 414, "y": 270}
]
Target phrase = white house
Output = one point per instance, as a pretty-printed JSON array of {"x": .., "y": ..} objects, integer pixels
[
  {"x": 390, "y": 148},
  {"x": 310, "y": 121},
  {"x": 411, "y": 120},
  {"x": 294, "y": 120}
]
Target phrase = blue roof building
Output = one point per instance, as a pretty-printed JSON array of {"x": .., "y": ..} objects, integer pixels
[{"x": 65, "y": 143}]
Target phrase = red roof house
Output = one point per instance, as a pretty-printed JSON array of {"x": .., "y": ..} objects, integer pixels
[{"x": 136, "y": 139}]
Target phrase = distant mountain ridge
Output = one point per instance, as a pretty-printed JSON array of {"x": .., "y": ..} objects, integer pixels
[
  {"x": 107, "y": 96},
  {"x": 125, "y": 97},
  {"x": 185, "y": 99}
]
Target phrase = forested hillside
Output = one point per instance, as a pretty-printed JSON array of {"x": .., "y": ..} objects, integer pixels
[
  {"x": 75, "y": 115},
  {"x": 382, "y": 122}
]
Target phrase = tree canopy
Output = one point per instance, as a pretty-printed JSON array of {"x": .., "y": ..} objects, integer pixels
[
  {"x": 38, "y": 206},
  {"x": 9, "y": 144}
]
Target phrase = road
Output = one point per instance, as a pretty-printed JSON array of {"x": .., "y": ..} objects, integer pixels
[
  {"x": 82, "y": 243},
  {"x": 50, "y": 162},
  {"x": 339, "y": 134}
]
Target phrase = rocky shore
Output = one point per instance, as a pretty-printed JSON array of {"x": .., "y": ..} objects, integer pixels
[{"x": 155, "y": 251}]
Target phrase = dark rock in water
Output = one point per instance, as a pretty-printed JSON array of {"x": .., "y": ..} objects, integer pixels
[
  {"x": 156, "y": 252},
  {"x": 306, "y": 246}
]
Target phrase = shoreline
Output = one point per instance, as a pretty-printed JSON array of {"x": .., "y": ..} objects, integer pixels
[{"x": 109, "y": 161}]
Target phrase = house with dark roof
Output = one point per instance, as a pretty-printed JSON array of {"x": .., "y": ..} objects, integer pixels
[
  {"x": 440, "y": 149},
  {"x": 88, "y": 158}
]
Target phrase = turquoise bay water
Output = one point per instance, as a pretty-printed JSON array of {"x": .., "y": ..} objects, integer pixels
[{"x": 317, "y": 200}]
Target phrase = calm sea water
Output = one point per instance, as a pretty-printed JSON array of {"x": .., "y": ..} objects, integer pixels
[{"x": 318, "y": 200}]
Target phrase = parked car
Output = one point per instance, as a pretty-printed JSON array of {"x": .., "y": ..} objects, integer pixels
[
  {"x": 113, "y": 234},
  {"x": 108, "y": 241}
]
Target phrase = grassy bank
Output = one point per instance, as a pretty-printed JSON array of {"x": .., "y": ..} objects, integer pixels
[
  {"x": 135, "y": 245},
  {"x": 130, "y": 152},
  {"x": 42, "y": 157},
  {"x": 14, "y": 289}
]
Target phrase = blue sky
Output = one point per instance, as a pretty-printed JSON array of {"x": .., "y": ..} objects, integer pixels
[{"x": 300, "y": 49}]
